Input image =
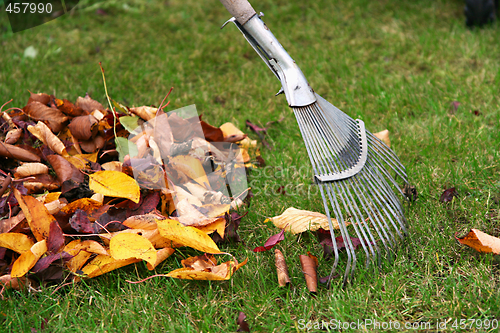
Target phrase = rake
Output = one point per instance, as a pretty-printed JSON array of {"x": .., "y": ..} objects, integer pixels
[{"x": 352, "y": 167}]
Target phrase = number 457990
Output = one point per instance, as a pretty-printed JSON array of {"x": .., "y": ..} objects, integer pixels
[
  {"x": 475, "y": 323},
  {"x": 28, "y": 7}
]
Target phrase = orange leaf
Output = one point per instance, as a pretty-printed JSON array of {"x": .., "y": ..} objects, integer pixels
[
  {"x": 187, "y": 236},
  {"x": 37, "y": 215},
  {"x": 130, "y": 245},
  {"x": 28, "y": 259},
  {"x": 86, "y": 204},
  {"x": 16, "y": 242},
  {"x": 115, "y": 184},
  {"x": 219, "y": 225},
  {"x": 481, "y": 242}
]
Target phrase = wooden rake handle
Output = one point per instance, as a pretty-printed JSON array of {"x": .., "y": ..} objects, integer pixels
[{"x": 242, "y": 10}]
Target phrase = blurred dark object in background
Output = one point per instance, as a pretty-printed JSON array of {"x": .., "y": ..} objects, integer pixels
[{"x": 480, "y": 12}]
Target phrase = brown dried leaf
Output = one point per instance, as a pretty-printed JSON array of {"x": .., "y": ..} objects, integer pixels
[
  {"x": 384, "y": 137},
  {"x": 17, "y": 153},
  {"x": 297, "y": 221},
  {"x": 281, "y": 268},
  {"x": 41, "y": 183},
  {"x": 54, "y": 118},
  {"x": 88, "y": 104},
  {"x": 13, "y": 135},
  {"x": 40, "y": 97},
  {"x": 64, "y": 169},
  {"x": 309, "y": 270},
  {"x": 83, "y": 127},
  {"x": 68, "y": 108},
  {"x": 145, "y": 112}
]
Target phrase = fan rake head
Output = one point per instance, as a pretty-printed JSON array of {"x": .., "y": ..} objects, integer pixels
[{"x": 353, "y": 171}]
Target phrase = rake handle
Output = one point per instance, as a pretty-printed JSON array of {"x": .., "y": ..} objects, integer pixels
[{"x": 242, "y": 10}]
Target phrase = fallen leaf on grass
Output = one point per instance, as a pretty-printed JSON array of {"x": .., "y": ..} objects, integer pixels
[
  {"x": 205, "y": 267},
  {"x": 115, "y": 184},
  {"x": 129, "y": 245},
  {"x": 15, "y": 283},
  {"x": 297, "y": 221},
  {"x": 271, "y": 242},
  {"x": 448, "y": 195},
  {"x": 481, "y": 242},
  {"x": 161, "y": 255},
  {"x": 242, "y": 323},
  {"x": 186, "y": 236}
]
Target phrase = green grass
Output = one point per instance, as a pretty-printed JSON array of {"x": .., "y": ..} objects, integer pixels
[{"x": 395, "y": 64}]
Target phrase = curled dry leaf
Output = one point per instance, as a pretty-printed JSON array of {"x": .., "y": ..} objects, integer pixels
[
  {"x": 384, "y": 137},
  {"x": 281, "y": 268},
  {"x": 83, "y": 127},
  {"x": 41, "y": 183},
  {"x": 481, "y": 242},
  {"x": 297, "y": 221},
  {"x": 54, "y": 118},
  {"x": 309, "y": 266},
  {"x": 93, "y": 144},
  {"x": 44, "y": 134},
  {"x": 17, "y": 153},
  {"x": 112, "y": 166},
  {"x": 30, "y": 169},
  {"x": 205, "y": 267},
  {"x": 68, "y": 108},
  {"x": 115, "y": 184},
  {"x": 13, "y": 135},
  {"x": 144, "y": 112}
]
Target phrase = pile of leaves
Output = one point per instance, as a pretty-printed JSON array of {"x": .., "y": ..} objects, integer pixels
[{"x": 85, "y": 189}]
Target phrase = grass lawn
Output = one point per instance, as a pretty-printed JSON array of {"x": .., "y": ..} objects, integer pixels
[{"x": 395, "y": 64}]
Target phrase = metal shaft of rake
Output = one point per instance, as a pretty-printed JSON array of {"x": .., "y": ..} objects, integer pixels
[{"x": 365, "y": 196}]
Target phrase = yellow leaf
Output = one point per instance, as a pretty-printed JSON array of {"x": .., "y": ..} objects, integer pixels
[
  {"x": 16, "y": 242},
  {"x": 297, "y": 221},
  {"x": 481, "y": 242},
  {"x": 146, "y": 222},
  {"x": 153, "y": 236},
  {"x": 115, "y": 184},
  {"x": 191, "y": 167},
  {"x": 161, "y": 255},
  {"x": 28, "y": 259},
  {"x": 103, "y": 264},
  {"x": 52, "y": 196},
  {"x": 129, "y": 245},
  {"x": 205, "y": 267},
  {"x": 187, "y": 236},
  {"x": 80, "y": 161},
  {"x": 37, "y": 215}
]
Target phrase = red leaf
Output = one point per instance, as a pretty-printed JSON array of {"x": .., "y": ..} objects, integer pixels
[
  {"x": 242, "y": 323},
  {"x": 448, "y": 195},
  {"x": 271, "y": 242},
  {"x": 55, "y": 242}
]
